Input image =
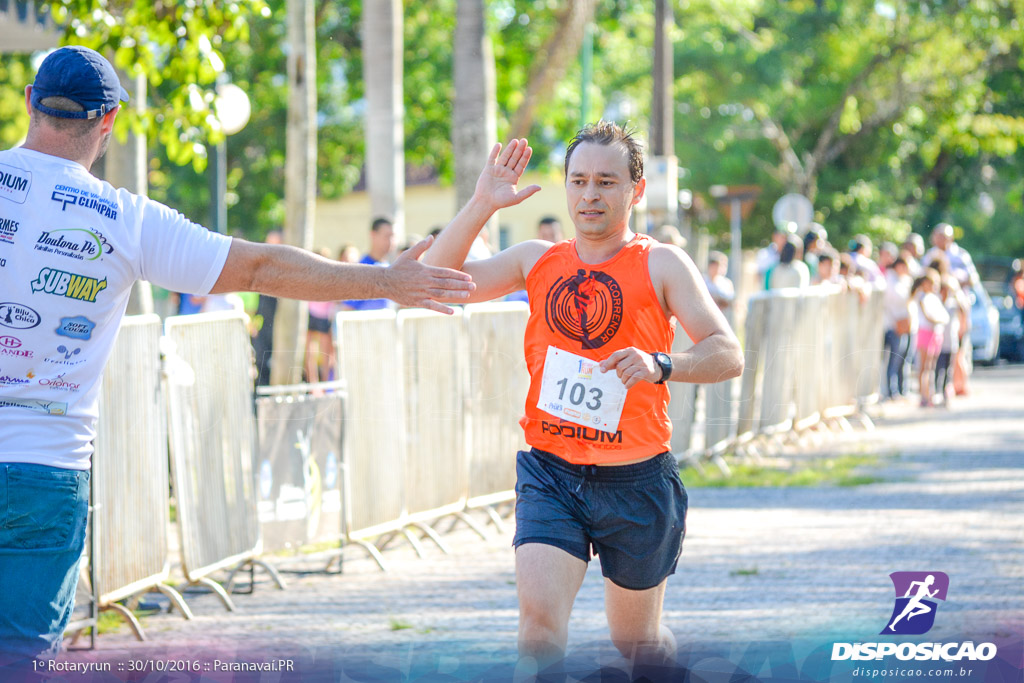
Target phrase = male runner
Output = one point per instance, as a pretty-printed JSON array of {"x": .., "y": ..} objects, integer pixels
[{"x": 599, "y": 474}]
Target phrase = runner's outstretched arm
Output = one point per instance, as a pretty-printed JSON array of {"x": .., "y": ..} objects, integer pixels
[{"x": 495, "y": 189}]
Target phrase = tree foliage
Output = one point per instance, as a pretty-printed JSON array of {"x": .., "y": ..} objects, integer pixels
[
  {"x": 890, "y": 114},
  {"x": 874, "y": 110}
]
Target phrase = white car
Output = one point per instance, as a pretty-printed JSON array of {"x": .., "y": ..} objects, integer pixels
[{"x": 984, "y": 326}]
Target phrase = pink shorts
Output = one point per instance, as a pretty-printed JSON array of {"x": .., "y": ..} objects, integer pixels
[{"x": 929, "y": 342}]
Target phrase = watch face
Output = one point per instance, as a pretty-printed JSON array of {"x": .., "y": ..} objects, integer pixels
[{"x": 664, "y": 361}]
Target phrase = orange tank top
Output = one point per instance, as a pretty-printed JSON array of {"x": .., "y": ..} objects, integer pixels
[{"x": 593, "y": 311}]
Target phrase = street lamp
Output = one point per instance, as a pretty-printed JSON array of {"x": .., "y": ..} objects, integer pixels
[{"x": 232, "y": 108}]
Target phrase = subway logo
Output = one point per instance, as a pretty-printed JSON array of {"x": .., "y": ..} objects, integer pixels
[{"x": 70, "y": 285}]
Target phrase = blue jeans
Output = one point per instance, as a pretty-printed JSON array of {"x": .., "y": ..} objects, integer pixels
[
  {"x": 896, "y": 352},
  {"x": 43, "y": 513}
]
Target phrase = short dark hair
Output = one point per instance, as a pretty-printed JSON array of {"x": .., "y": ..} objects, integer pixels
[
  {"x": 74, "y": 127},
  {"x": 609, "y": 133},
  {"x": 547, "y": 220},
  {"x": 378, "y": 222}
]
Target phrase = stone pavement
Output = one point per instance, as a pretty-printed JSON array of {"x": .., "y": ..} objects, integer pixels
[{"x": 763, "y": 564}]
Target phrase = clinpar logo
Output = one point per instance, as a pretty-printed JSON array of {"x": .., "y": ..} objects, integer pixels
[{"x": 914, "y": 613}]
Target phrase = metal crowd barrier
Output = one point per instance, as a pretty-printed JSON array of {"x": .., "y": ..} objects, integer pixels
[
  {"x": 301, "y": 465},
  {"x": 498, "y": 382},
  {"x": 370, "y": 362},
  {"x": 436, "y": 469},
  {"x": 212, "y": 446},
  {"x": 836, "y": 334},
  {"x": 129, "y": 474}
]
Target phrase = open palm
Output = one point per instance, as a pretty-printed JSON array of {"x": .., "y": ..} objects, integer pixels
[{"x": 498, "y": 182}]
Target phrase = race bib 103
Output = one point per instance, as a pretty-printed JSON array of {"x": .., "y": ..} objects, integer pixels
[{"x": 574, "y": 389}]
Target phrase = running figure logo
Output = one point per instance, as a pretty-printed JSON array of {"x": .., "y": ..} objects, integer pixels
[
  {"x": 586, "y": 308},
  {"x": 916, "y": 596}
]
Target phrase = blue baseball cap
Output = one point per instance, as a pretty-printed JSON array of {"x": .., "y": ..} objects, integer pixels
[{"x": 81, "y": 75}]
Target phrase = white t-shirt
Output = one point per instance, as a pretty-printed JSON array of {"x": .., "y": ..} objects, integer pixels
[{"x": 71, "y": 246}]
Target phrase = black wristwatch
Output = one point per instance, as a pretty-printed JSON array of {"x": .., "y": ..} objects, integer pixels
[{"x": 664, "y": 362}]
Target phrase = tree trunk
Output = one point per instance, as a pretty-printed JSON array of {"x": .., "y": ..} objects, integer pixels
[
  {"x": 662, "y": 106},
  {"x": 300, "y": 184},
  {"x": 385, "y": 114},
  {"x": 552, "y": 61},
  {"x": 474, "y": 126}
]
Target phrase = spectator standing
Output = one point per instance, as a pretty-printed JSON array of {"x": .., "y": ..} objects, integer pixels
[
  {"x": 828, "y": 268},
  {"x": 382, "y": 243},
  {"x": 790, "y": 271},
  {"x": 549, "y": 229},
  {"x": 719, "y": 285},
  {"x": 769, "y": 255},
  {"x": 887, "y": 254},
  {"x": 319, "y": 365},
  {"x": 815, "y": 242},
  {"x": 956, "y": 306},
  {"x": 912, "y": 251},
  {"x": 898, "y": 326},
  {"x": 932, "y": 320},
  {"x": 263, "y": 324},
  {"x": 961, "y": 265},
  {"x": 860, "y": 252}
]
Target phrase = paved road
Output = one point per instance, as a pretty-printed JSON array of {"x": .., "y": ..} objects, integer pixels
[{"x": 758, "y": 564}]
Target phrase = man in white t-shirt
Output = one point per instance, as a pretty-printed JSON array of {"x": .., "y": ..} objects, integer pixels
[{"x": 71, "y": 246}]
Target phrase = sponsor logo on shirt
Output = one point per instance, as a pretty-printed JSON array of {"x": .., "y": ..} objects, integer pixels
[
  {"x": 8, "y": 381},
  {"x": 15, "y": 352},
  {"x": 573, "y": 431},
  {"x": 65, "y": 195},
  {"x": 78, "y": 327},
  {"x": 59, "y": 383},
  {"x": 70, "y": 285},
  {"x": 38, "y": 405},
  {"x": 17, "y": 317},
  {"x": 3, "y": 263},
  {"x": 8, "y": 226},
  {"x": 14, "y": 183},
  {"x": 9, "y": 342},
  {"x": 76, "y": 243},
  {"x": 66, "y": 355}
]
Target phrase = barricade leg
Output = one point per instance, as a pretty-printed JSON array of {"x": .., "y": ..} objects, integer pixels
[
  {"x": 219, "y": 590},
  {"x": 470, "y": 522},
  {"x": 495, "y": 518},
  {"x": 252, "y": 564},
  {"x": 176, "y": 600},
  {"x": 432, "y": 535},
  {"x": 127, "y": 615},
  {"x": 414, "y": 542},
  {"x": 371, "y": 550}
]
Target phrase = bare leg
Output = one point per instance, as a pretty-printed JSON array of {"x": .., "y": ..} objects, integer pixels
[
  {"x": 547, "y": 580},
  {"x": 634, "y": 618}
]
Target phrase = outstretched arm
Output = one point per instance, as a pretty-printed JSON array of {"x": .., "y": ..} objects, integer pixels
[
  {"x": 286, "y": 271},
  {"x": 715, "y": 355},
  {"x": 495, "y": 189}
]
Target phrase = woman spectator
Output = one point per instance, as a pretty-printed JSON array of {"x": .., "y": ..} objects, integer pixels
[
  {"x": 790, "y": 271},
  {"x": 932, "y": 321},
  {"x": 956, "y": 306}
]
